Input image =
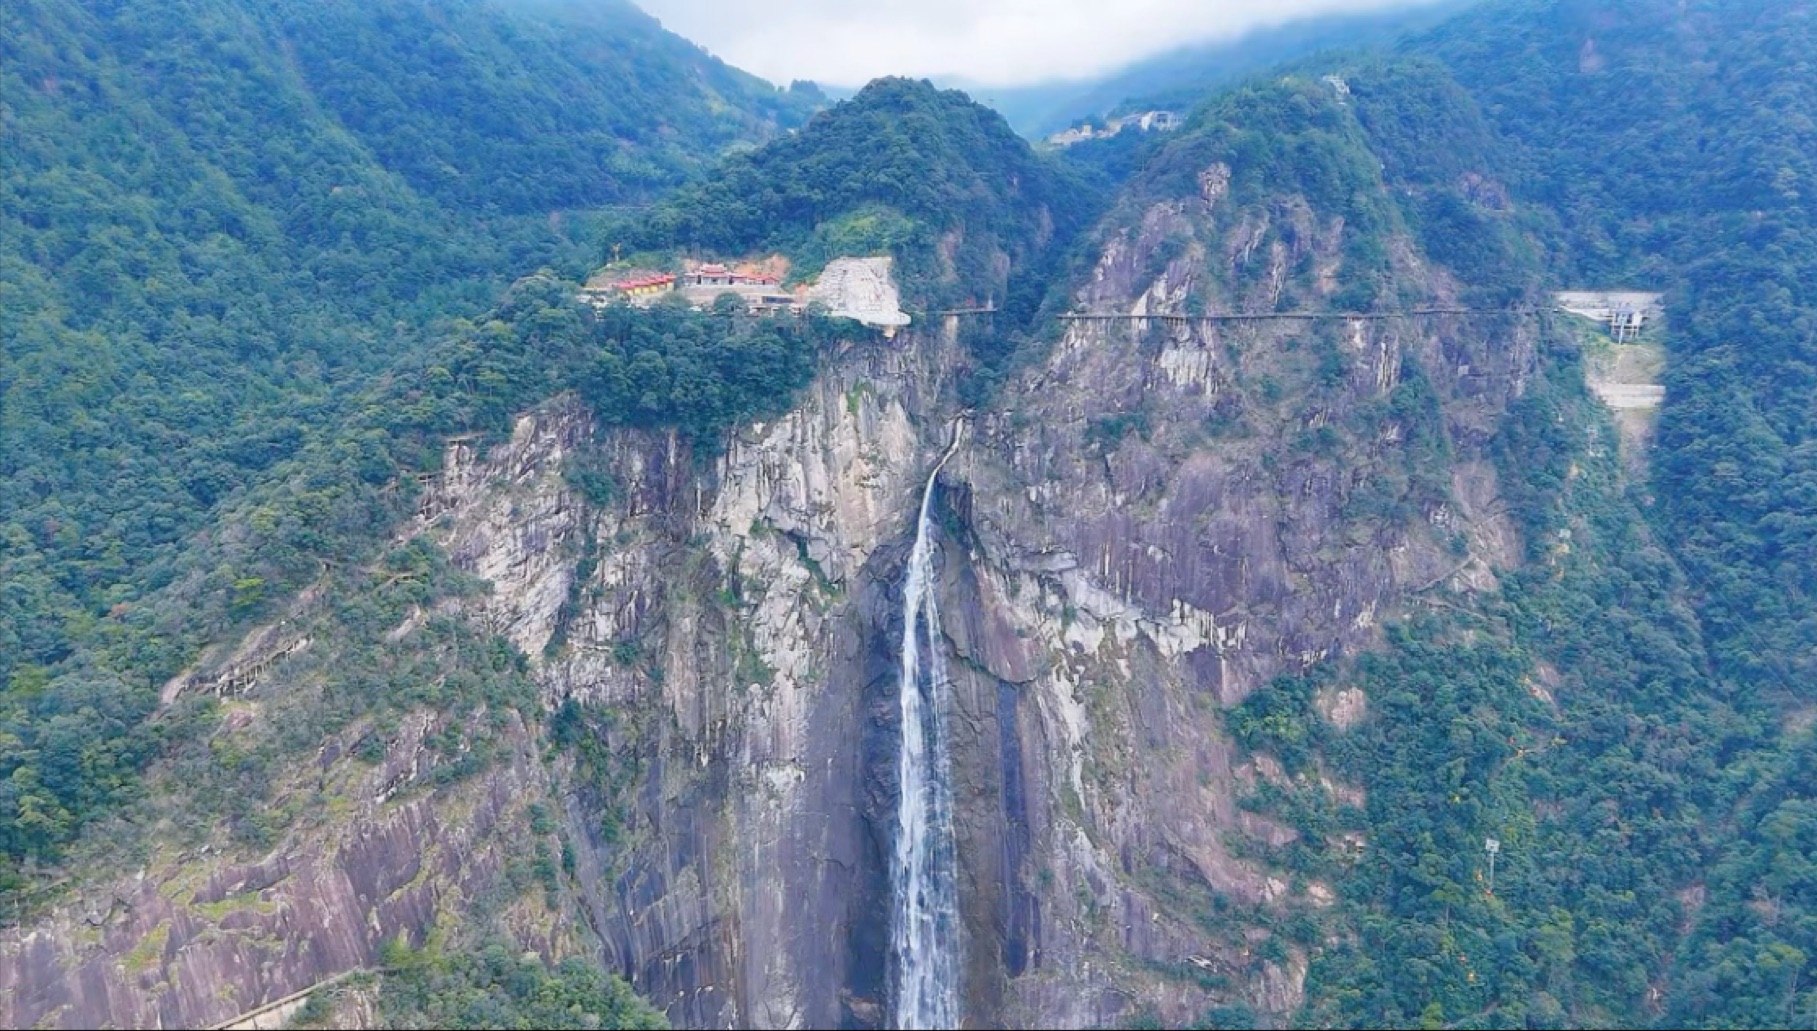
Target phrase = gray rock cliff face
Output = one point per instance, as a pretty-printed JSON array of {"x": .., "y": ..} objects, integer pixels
[
  {"x": 196, "y": 938},
  {"x": 1154, "y": 518},
  {"x": 1160, "y": 517}
]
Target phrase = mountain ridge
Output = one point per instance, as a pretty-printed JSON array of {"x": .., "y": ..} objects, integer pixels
[
  {"x": 1259, "y": 631},
  {"x": 1180, "y": 78},
  {"x": 203, "y": 270}
]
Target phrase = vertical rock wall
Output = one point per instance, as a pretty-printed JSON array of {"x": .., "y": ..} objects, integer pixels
[
  {"x": 735, "y": 621},
  {"x": 1152, "y": 520}
]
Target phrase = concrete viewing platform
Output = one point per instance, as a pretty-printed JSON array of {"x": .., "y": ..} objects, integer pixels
[{"x": 1623, "y": 312}]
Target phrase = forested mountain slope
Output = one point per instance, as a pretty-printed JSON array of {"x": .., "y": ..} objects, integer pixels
[
  {"x": 218, "y": 218},
  {"x": 367, "y": 647},
  {"x": 927, "y": 175},
  {"x": 1676, "y": 147},
  {"x": 575, "y": 631},
  {"x": 527, "y": 106},
  {"x": 1181, "y": 79},
  {"x": 1677, "y": 144},
  {"x": 1666, "y": 626}
]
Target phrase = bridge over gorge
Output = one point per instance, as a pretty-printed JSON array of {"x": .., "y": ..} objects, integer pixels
[
  {"x": 1182, "y": 318},
  {"x": 984, "y": 309},
  {"x": 1250, "y": 316},
  {"x": 1272, "y": 316}
]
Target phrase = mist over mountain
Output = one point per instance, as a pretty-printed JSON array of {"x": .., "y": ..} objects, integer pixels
[{"x": 1180, "y": 79}]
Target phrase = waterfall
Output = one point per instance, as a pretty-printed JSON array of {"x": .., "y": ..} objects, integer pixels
[{"x": 924, "y": 925}]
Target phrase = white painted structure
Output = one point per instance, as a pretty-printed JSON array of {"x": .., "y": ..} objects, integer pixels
[
  {"x": 1624, "y": 312},
  {"x": 1146, "y": 121},
  {"x": 863, "y": 289}
]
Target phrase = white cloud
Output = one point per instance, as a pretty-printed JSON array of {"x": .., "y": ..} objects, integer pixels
[{"x": 992, "y": 42}]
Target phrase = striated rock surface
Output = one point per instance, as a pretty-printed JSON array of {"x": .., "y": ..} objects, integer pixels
[
  {"x": 732, "y": 617},
  {"x": 197, "y": 938},
  {"x": 862, "y": 289},
  {"x": 1156, "y": 516}
]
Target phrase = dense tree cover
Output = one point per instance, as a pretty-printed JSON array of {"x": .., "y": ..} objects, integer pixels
[
  {"x": 1366, "y": 157},
  {"x": 1448, "y": 171},
  {"x": 1573, "y": 720},
  {"x": 1748, "y": 961},
  {"x": 231, "y": 284},
  {"x": 1627, "y": 716},
  {"x": 78, "y": 729},
  {"x": 207, "y": 234},
  {"x": 529, "y": 106},
  {"x": 1111, "y": 160},
  {"x": 1283, "y": 142},
  {"x": 197, "y": 259},
  {"x": 969, "y": 211},
  {"x": 1676, "y": 143},
  {"x": 675, "y": 367},
  {"x": 165, "y": 261},
  {"x": 495, "y": 987}
]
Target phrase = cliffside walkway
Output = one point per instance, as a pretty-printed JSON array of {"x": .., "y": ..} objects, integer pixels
[
  {"x": 277, "y": 1013},
  {"x": 980, "y": 310},
  {"x": 1268, "y": 316}
]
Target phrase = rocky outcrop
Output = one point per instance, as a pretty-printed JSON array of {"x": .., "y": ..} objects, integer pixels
[
  {"x": 197, "y": 938},
  {"x": 731, "y": 618},
  {"x": 381, "y": 845},
  {"x": 1160, "y": 517},
  {"x": 862, "y": 289},
  {"x": 1155, "y": 517}
]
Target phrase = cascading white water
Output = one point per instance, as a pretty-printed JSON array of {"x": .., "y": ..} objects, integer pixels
[{"x": 924, "y": 930}]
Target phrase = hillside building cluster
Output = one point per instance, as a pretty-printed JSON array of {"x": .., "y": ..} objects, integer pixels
[
  {"x": 863, "y": 289},
  {"x": 649, "y": 285},
  {"x": 761, "y": 293},
  {"x": 1146, "y": 121},
  {"x": 701, "y": 283}
]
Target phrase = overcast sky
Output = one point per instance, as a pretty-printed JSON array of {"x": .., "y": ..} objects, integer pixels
[{"x": 992, "y": 42}]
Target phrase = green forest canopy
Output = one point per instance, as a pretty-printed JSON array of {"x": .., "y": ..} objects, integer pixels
[
  {"x": 933, "y": 178},
  {"x": 1629, "y": 719},
  {"x": 239, "y": 244},
  {"x": 218, "y": 217},
  {"x": 202, "y": 298}
]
